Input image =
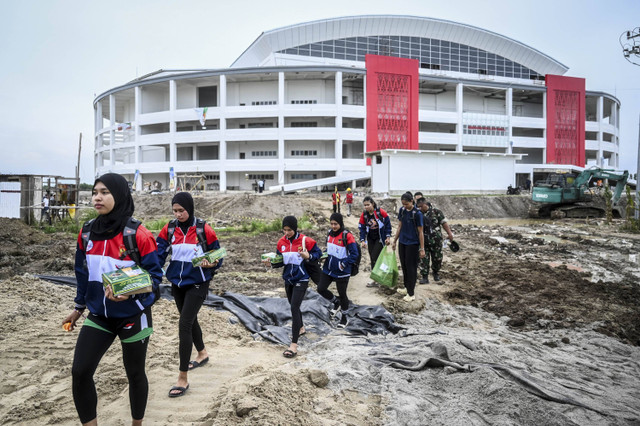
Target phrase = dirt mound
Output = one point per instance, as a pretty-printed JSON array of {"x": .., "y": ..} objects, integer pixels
[{"x": 25, "y": 249}]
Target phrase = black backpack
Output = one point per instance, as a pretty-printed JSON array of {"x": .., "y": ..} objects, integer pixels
[
  {"x": 355, "y": 268},
  {"x": 202, "y": 238},
  {"x": 128, "y": 236}
]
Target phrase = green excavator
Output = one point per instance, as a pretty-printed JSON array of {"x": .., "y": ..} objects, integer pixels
[{"x": 569, "y": 194}]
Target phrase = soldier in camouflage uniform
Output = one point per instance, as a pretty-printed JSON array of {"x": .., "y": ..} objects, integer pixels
[{"x": 433, "y": 220}]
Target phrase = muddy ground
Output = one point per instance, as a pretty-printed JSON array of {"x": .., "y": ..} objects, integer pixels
[{"x": 557, "y": 278}]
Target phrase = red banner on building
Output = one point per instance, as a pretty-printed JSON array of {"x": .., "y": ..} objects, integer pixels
[
  {"x": 392, "y": 103},
  {"x": 565, "y": 120}
]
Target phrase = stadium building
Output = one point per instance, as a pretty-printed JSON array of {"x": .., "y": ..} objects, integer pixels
[{"x": 308, "y": 102}]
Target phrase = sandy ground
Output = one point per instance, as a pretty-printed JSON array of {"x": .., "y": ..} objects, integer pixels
[{"x": 556, "y": 302}]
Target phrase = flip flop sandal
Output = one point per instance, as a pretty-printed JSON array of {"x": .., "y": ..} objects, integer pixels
[
  {"x": 195, "y": 364},
  {"x": 289, "y": 353},
  {"x": 182, "y": 391}
]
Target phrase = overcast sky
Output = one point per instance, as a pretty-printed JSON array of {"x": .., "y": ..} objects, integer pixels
[{"x": 58, "y": 55}]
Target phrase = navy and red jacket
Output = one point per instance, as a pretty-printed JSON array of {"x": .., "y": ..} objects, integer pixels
[
  {"x": 382, "y": 220},
  {"x": 105, "y": 256},
  {"x": 289, "y": 248},
  {"x": 183, "y": 248},
  {"x": 341, "y": 255}
]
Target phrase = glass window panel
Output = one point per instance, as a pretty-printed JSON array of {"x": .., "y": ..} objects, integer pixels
[
  {"x": 339, "y": 50},
  {"x": 339, "y": 55},
  {"x": 303, "y": 51},
  {"x": 361, "y": 39},
  {"x": 444, "y": 43},
  {"x": 326, "y": 54},
  {"x": 351, "y": 44},
  {"x": 340, "y": 43},
  {"x": 351, "y": 51},
  {"x": 351, "y": 58}
]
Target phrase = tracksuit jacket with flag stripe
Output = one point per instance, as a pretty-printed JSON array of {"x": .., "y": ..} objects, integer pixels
[
  {"x": 181, "y": 271},
  {"x": 341, "y": 255},
  {"x": 100, "y": 257},
  {"x": 294, "y": 270}
]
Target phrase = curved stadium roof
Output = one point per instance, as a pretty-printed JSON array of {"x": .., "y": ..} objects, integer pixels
[{"x": 278, "y": 40}]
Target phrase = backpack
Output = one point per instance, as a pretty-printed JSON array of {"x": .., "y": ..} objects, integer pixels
[
  {"x": 355, "y": 268},
  {"x": 413, "y": 217},
  {"x": 202, "y": 238},
  {"x": 128, "y": 237}
]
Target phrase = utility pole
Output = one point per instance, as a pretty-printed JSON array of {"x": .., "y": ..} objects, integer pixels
[
  {"x": 631, "y": 52},
  {"x": 78, "y": 180}
]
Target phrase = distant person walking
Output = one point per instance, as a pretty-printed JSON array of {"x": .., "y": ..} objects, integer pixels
[
  {"x": 260, "y": 186},
  {"x": 349, "y": 201},
  {"x": 45, "y": 208},
  {"x": 335, "y": 198}
]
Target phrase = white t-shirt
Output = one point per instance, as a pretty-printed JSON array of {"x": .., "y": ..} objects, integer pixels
[{"x": 45, "y": 201}]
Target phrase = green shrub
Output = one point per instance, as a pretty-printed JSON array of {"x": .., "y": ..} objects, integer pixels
[{"x": 156, "y": 225}]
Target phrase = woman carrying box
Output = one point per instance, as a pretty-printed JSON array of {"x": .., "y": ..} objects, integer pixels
[
  {"x": 102, "y": 248},
  {"x": 187, "y": 237},
  {"x": 295, "y": 248}
]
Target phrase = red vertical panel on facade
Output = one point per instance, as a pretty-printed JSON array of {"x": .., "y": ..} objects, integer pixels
[
  {"x": 565, "y": 120},
  {"x": 392, "y": 103}
]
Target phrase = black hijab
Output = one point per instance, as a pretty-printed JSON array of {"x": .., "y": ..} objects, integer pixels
[
  {"x": 338, "y": 218},
  {"x": 186, "y": 201},
  {"x": 107, "y": 226}
]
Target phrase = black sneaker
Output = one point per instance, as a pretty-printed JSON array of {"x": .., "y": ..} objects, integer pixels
[
  {"x": 424, "y": 280},
  {"x": 344, "y": 321},
  {"x": 436, "y": 277},
  {"x": 336, "y": 307}
]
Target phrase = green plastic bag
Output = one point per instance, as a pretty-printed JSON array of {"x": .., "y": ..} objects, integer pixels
[{"x": 385, "y": 272}]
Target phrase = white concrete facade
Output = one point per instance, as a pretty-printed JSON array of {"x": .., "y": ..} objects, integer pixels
[
  {"x": 451, "y": 172},
  {"x": 284, "y": 115}
]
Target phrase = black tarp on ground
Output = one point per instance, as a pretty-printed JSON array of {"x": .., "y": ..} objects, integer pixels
[{"x": 270, "y": 317}]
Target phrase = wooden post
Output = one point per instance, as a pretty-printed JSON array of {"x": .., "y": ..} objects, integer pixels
[{"x": 78, "y": 180}]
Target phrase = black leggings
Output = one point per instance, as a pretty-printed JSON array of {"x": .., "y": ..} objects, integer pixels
[
  {"x": 375, "y": 248},
  {"x": 189, "y": 300},
  {"x": 341, "y": 285},
  {"x": 91, "y": 346},
  {"x": 295, "y": 295},
  {"x": 409, "y": 257}
]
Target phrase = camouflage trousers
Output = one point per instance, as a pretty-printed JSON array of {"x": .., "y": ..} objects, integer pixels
[{"x": 433, "y": 256}]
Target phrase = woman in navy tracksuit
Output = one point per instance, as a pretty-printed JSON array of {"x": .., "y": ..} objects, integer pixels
[
  {"x": 126, "y": 316},
  {"x": 375, "y": 231},
  {"x": 411, "y": 248},
  {"x": 189, "y": 284},
  {"x": 296, "y": 278},
  {"x": 342, "y": 251}
]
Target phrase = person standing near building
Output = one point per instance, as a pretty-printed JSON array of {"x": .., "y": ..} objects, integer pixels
[
  {"x": 295, "y": 248},
  {"x": 375, "y": 231},
  {"x": 187, "y": 237},
  {"x": 342, "y": 254},
  {"x": 101, "y": 248},
  {"x": 349, "y": 201},
  {"x": 335, "y": 198},
  {"x": 433, "y": 220},
  {"x": 260, "y": 186},
  {"x": 411, "y": 248},
  {"x": 45, "y": 208}
]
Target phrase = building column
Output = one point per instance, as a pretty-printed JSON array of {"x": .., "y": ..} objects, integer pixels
[
  {"x": 222, "y": 149},
  {"x": 281, "y": 149},
  {"x": 509, "y": 106},
  {"x": 112, "y": 131},
  {"x": 599, "y": 118},
  {"x": 459, "y": 110},
  {"x": 97, "y": 158},
  {"x": 173, "y": 102}
]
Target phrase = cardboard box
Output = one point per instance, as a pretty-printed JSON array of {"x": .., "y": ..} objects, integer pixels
[
  {"x": 129, "y": 280},
  {"x": 273, "y": 257},
  {"x": 211, "y": 256}
]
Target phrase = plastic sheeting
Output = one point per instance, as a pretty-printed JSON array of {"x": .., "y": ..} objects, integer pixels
[{"x": 270, "y": 317}]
